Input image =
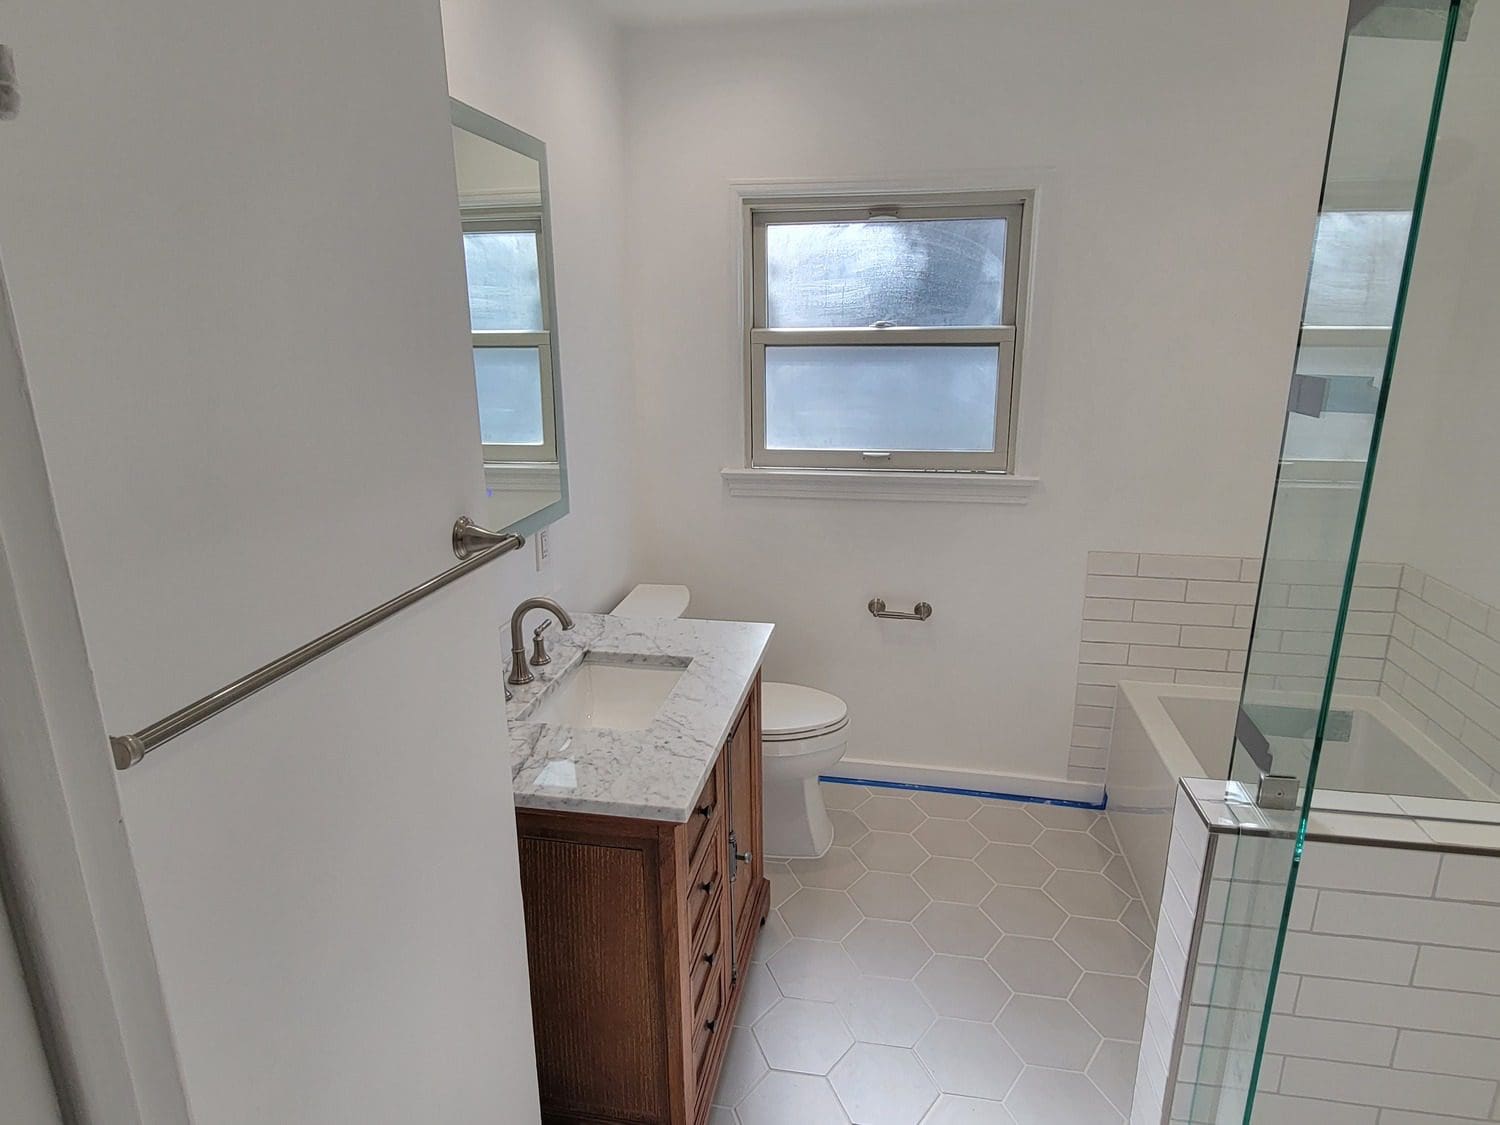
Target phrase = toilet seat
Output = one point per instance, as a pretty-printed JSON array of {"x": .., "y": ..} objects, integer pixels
[{"x": 793, "y": 713}]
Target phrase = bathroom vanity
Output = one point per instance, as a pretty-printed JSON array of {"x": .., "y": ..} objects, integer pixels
[{"x": 637, "y": 775}]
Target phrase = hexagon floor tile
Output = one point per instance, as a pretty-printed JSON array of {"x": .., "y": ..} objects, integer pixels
[
  {"x": 970, "y": 1059},
  {"x": 814, "y": 912},
  {"x": 802, "y": 1035},
  {"x": 880, "y": 894},
  {"x": 964, "y": 931},
  {"x": 883, "y": 1086},
  {"x": 1037, "y": 966},
  {"x": 953, "y": 960},
  {"x": 896, "y": 852},
  {"x": 1015, "y": 865},
  {"x": 956, "y": 880},
  {"x": 962, "y": 987},
  {"x": 812, "y": 970},
  {"x": 1060, "y": 1095},
  {"x": 1024, "y": 911},
  {"x": 889, "y": 1012},
  {"x": 1048, "y": 1032},
  {"x": 782, "y": 1098},
  {"x": 838, "y": 870},
  {"x": 952, "y": 838},
  {"x": 890, "y": 814},
  {"x": 1085, "y": 894},
  {"x": 887, "y": 949}
]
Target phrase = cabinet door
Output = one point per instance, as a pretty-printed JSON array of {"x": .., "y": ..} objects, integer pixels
[{"x": 745, "y": 822}]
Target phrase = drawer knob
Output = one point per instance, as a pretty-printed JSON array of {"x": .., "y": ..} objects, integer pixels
[
  {"x": 705, "y": 811},
  {"x": 708, "y": 958},
  {"x": 705, "y": 887},
  {"x": 710, "y": 1024}
]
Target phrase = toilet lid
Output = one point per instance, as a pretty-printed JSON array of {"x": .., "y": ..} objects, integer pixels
[{"x": 790, "y": 710}]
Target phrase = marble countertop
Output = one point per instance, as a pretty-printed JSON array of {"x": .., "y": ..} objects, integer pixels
[{"x": 655, "y": 773}]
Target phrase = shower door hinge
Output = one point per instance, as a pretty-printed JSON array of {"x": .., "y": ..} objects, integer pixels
[{"x": 1277, "y": 791}]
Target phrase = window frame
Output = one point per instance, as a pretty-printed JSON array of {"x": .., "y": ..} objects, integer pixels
[
  {"x": 1364, "y": 337},
  {"x": 520, "y": 216},
  {"x": 1016, "y": 207}
]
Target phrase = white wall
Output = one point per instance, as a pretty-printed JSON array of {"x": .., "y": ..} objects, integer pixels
[
  {"x": 1434, "y": 487},
  {"x": 552, "y": 69},
  {"x": 1179, "y": 149},
  {"x": 231, "y": 239}
]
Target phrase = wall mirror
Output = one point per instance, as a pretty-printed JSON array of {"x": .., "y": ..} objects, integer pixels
[{"x": 502, "y": 201}]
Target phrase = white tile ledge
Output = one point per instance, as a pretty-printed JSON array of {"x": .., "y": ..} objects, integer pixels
[{"x": 854, "y": 484}]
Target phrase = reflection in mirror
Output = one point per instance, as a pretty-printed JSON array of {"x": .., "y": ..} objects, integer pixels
[{"x": 503, "y": 208}]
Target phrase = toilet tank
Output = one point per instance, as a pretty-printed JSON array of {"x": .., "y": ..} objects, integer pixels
[{"x": 648, "y": 600}]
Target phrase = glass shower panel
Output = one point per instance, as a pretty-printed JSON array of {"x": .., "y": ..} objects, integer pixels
[
  {"x": 1395, "y": 59},
  {"x": 1430, "y": 590}
]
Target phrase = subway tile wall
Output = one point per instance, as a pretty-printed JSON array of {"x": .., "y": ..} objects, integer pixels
[
  {"x": 1186, "y": 619},
  {"x": 1442, "y": 670},
  {"x": 1171, "y": 961},
  {"x": 1387, "y": 1007}
]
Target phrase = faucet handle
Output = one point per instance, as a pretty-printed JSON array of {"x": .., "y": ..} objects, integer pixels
[{"x": 539, "y": 653}]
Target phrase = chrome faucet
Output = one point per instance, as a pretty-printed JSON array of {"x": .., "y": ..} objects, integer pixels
[{"x": 519, "y": 672}]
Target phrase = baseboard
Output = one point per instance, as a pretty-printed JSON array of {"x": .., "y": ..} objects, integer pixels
[{"x": 1016, "y": 787}]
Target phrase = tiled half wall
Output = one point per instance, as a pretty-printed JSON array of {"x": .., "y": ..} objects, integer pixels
[{"x": 1387, "y": 1008}]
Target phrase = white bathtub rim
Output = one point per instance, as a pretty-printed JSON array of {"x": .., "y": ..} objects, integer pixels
[{"x": 1145, "y": 700}]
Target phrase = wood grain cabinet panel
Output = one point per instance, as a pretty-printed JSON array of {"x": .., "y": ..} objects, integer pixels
[{"x": 639, "y": 935}]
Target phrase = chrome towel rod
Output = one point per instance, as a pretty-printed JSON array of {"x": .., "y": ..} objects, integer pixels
[
  {"x": 920, "y": 612},
  {"x": 473, "y": 544}
]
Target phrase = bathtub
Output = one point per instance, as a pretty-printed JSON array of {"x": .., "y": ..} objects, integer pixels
[{"x": 1163, "y": 732}]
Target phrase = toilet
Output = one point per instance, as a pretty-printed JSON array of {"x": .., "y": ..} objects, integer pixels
[{"x": 804, "y": 733}]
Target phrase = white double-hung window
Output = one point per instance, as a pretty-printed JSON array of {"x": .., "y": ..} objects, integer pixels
[
  {"x": 512, "y": 332},
  {"x": 885, "y": 333}
]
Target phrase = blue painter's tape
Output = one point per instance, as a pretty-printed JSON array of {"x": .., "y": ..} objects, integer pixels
[{"x": 1021, "y": 797}]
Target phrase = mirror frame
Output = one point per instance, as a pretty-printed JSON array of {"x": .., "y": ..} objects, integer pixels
[{"x": 464, "y": 116}]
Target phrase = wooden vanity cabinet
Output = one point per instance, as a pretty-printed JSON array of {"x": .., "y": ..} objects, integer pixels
[{"x": 639, "y": 935}]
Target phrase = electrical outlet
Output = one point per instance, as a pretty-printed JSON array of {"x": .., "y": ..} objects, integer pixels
[{"x": 543, "y": 549}]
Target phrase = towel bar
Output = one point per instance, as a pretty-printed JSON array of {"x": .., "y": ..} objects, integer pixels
[{"x": 475, "y": 545}]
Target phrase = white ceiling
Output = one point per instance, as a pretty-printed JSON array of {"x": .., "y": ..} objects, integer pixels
[{"x": 693, "y": 11}]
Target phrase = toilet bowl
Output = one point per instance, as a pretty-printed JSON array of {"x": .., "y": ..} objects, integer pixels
[{"x": 804, "y": 733}]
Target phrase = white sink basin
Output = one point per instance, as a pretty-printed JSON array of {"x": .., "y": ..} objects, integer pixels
[{"x": 602, "y": 693}]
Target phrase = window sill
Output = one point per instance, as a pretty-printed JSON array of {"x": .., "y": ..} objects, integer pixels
[
  {"x": 882, "y": 484},
  {"x": 522, "y": 476}
]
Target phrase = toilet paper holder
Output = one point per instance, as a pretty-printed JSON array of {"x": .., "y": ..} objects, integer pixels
[{"x": 920, "y": 612}]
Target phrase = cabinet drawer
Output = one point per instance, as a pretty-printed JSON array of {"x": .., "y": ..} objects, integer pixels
[
  {"x": 701, "y": 896},
  {"x": 707, "y": 962},
  {"x": 699, "y": 829},
  {"x": 706, "y": 1021}
]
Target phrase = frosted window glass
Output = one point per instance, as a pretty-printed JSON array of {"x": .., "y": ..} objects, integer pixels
[
  {"x": 510, "y": 395},
  {"x": 1356, "y": 267},
  {"x": 925, "y": 273},
  {"x": 505, "y": 292},
  {"x": 882, "y": 398}
]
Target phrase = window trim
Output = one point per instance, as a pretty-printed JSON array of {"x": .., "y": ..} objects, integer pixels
[
  {"x": 1016, "y": 206},
  {"x": 523, "y": 213}
]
